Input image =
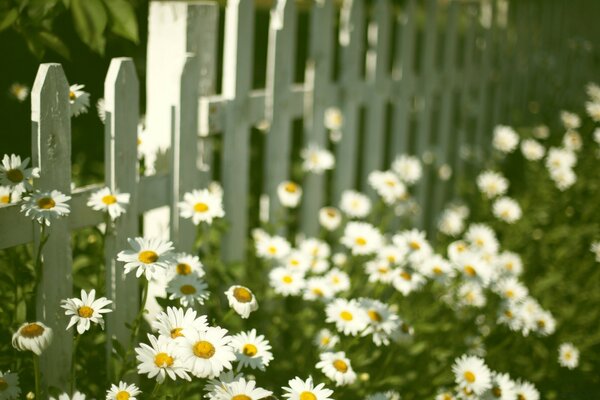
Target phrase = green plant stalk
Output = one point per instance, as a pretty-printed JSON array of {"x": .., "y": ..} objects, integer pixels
[
  {"x": 36, "y": 374},
  {"x": 135, "y": 328},
  {"x": 73, "y": 361}
]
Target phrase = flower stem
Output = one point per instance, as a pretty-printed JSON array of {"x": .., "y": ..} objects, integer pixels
[
  {"x": 155, "y": 390},
  {"x": 36, "y": 373},
  {"x": 38, "y": 257},
  {"x": 73, "y": 362},
  {"x": 135, "y": 329}
]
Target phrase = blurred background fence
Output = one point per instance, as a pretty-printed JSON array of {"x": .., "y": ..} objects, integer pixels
[{"x": 235, "y": 92}]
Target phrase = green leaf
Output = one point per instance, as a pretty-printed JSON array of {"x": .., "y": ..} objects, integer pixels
[
  {"x": 53, "y": 42},
  {"x": 6, "y": 20},
  {"x": 123, "y": 21},
  {"x": 35, "y": 44},
  {"x": 89, "y": 17}
]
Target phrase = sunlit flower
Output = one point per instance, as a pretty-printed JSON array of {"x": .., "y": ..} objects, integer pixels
[
  {"x": 201, "y": 206},
  {"x": 123, "y": 391},
  {"x": 482, "y": 238},
  {"x": 471, "y": 294},
  {"x": 9, "y": 385},
  {"x": 251, "y": 350},
  {"x": 511, "y": 289},
  {"x": 379, "y": 271},
  {"x": 408, "y": 168},
  {"x": 507, "y": 209},
  {"x": 78, "y": 99},
  {"x": 330, "y": 218},
  {"x": 526, "y": 391},
  {"x": 242, "y": 300},
  {"x": 362, "y": 238},
  {"x": 563, "y": 178},
  {"x": 177, "y": 322},
  {"x": 306, "y": 390},
  {"x": 407, "y": 281},
  {"x": 347, "y": 315},
  {"x": 355, "y": 204},
  {"x": 593, "y": 110},
  {"x": 86, "y": 310},
  {"x": 451, "y": 222},
  {"x": 32, "y": 336},
  {"x": 505, "y": 139},
  {"x": 207, "y": 353},
  {"x": 8, "y": 196},
  {"x": 325, "y": 339},
  {"x": 503, "y": 388},
  {"x": 315, "y": 248},
  {"x": 113, "y": 203},
  {"x": 241, "y": 389},
  {"x": 388, "y": 186},
  {"x": 316, "y": 159},
  {"x": 46, "y": 206},
  {"x": 185, "y": 264},
  {"x": 568, "y": 355},
  {"x": 336, "y": 366},
  {"x": 289, "y": 194},
  {"x": 382, "y": 321},
  {"x": 318, "y": 287},
  {"x": 150, "y": 257},
  {"x": 570, "y": 120},
  {"x": 286, "y": 282},
  {"x": 337, "y": 280},
  {"x": 161, "y": 359},
  {"x": 189, "y": 289},
  {"x": 19, "y": 91},
  {"x": 472, "y": 374},
  {"x": 572, "y": 141},
  {"x": 560, "y": 159},
  {"x": 333, "y": 118},
  {"x": 492, "y": 184},
  {"x": 532, "y": 150},
  {"x": 595, "y": 248},
  {"x": 65, "y": 396},
  {"x": 273, "y": 247}
]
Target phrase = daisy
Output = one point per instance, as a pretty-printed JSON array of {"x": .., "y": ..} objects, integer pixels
[
  {"x": 347, "y": 315},
  {"x": 289, "y": 194},
  {"x": 532, "y": 150},
  {"x": 333, "y": 118},
  {"x": 86, "y": 310},
  {"x": 217, "y": 386},
  {"x": 185, "y": 264},
  {"x": 78, "y": 99},
  {"x": 339, "y": 259},
  {"x": 325, "y": 339},
  {"x": 472, "y": 267},
  {"x": 593, "y": 90},
  {"x": 207, "y": 353},
  {"x": 7, "y": 196},
  {"x": 177, "y": 322},
  {"x": 189, "y": 289},
  {"x": 9, "y": 385},
  {"x": 242, "y": 300},
  {"x": 507, "y": 209},
  {"x": 593, "y": 110},
  {"x": 362, "y": 238},
  {"x": 113, "y": 203},
  {"x": 315, "y": 248},
  {"x": 46, "y": 206},
  {"x": 560, "y": 159},
  {"x": 570, "y": 120},
  {"x": 251, "y": 350},
  {"x": 382, "y": 321},
  {"x": 509, "y": 263},
  {"x": 318, "y": 288},
  {"x": 32, "y": 336},
  {"x": 241, "y": 389},
  {"x": 435, "y": 267},
  {"x": 482, "y": 238},
  {"x": 406, "y": 281},
  {"x": 101, "y": 109},
  {"x": 526, "y": 391},
  {"x": 394, "y": 255},
  {"x": 273, "y": 247},
  {"x": 408, "y": 168},
  {"x": 286, "y": 282},
  {"x": 572, "y": 141},
  {"x": 201, "y": 206},
  {"x": 511, "y": 289},
  {"x": 595, "y": 248},
  {"x": 563, "y": 178},
  {"x": 451, "y": 223},
  {"x": 379, "y": 271},
  {"x": 355, "y": 204},
  {"x": 319, "y": 266},
  {"x": 298, "y": 261},
  {"x": 19, "y": 91},
  {"x": 457, "y": 249},
  {"x": 472, "y": 374},
  {"x": 123, "y": 391},
  {"x": 337, "y": 367},
  {"x": 388, "y": 186},
  {"x": 568, "y": 355},
  {"x": 412, "y": 240},
  {"x": 316, "y": 159},
  {"x": 161, "y": 359},
  {"x": 503, "y": 388},
  {"x": 14, "y": 173},
  {"x": 150, "y": 257},
  {"x": 505, "y": 139},
  {"x": 306, "y": 390},
  {"x": 492, "y": 184},
  {"x": 445, "y": 396},
  {"x": 338, "y": 280},
  {"x": 330, "y": 218},
  {"x": 65, "y": 396},
  {"x": 471, "y": 294}
]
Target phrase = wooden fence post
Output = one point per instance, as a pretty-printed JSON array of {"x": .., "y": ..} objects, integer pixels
[
  {"x": 51, "y": 152},
  {"x": 121, "y": 94}
]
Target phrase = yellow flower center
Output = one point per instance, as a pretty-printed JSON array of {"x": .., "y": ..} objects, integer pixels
[
  {"x": 187, "y": 289},
  {"x": 383, "y": 270},
  {"x": 287, "y": 279},
  {"x": 249, "y": 350},
  {"x": 3, "y": 385},
  {"x": 405, "y": 275},
  {"x": 437, "y": 270},
  {"x": 307, "y": 396},
  {"x": 541, "y": 324},
  {"x": 272, "y": 250},
  {"x": 568, "y": 356},
  {"x": 72, "y": 95},
  {"x": 123, "y": 395},
  {"x": 175, "y": 333},
  {"x": 14, "y": 175},
  {"x": 148, "y": 257},
  {"x": 163, "y": 360},
  {"x": 414, "y": 245},
  {"x": 294, "y": 262},
  {"x": 331, "y": 213},
  {"x": 317, "y": 291},
  {"x": 139, "y": 141},
  {"x": 340, "y": 365},
  {"x": 391, "y": 259},
  {"x": 496, "y": 391},
  {"x": 521, "y": 397},
  {"x": 325, "y": 340},
  {"x": 109, "y": 199},
  {"x": 469, "y": 270},
  {"x": 508, "y": 313},
  {"x": 201, "y": 207},
  {"x": 5, "y": 199},
  {"x": 374, "y": 315},
  {"x": 204, "y": 349},
  {"x": 85, "y": 311},
  {"x": 46, "y": 203},
  {"x": 242, "y": 295},
  {"x": 291, "y": 187},
  {"x": 346, "y": 316},
  {"x": 469, "y": 376},
  {"x": 510, "y": 294},
  {"x": 32, "y": 330},
  {"x": 360, "y": 241},
  {"x": 184, "y": 269},
  {"x": 241, "y": 397},
  {"x": 390, "y": 183}
]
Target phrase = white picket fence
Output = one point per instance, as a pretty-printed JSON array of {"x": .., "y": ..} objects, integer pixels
[{"x": 184, "y": 112}]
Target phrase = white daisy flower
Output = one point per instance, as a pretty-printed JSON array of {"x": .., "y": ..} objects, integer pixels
[
  {"x": 337, "y": 280},
  {"x": 383, "y": 323},
  {"x": 511, "y": 289},
  {"x": 336, "y": 366},
  {"x": 241, "y": 389},
  {"x": 325, "y": 339},
  {"x": 379, "y": 271},
  {"x": 319, "y": 266},
  {"x": 185, "y": 264},
  {"x": 593, "y": 90},
  {"x": 242, "y": 300},
  {"x": 306, "y": 390},
  {"x": 563, "y": 178},
  {"x": 541, "y": 132},
  {"x": 503, "y": 388},
  {"x": 597, "y": 135},
  {"x": 286, "y": 282},
  {"x": 32, "y": 336},
  {"x": 333, "y": 118},
  {"x": 123, "y": 391},
  {"x": 14, "y": 173},
  {"x": 318, "y": 288},
  {"x": 65, "y": 396},
  {"x": 388, "y": 186},
  {"x": 298, "y": 261},
  {"x": 177, "y": 322},
  {"x": 457, "y": 249},
  {"x": 217, "y": 386},
  {"x": 482, "y": 238},
  {"x": 86, "y": 310},
  {"x": 78, "y": 99},
  {"x": 572, "y": 141},
  {"x": 595, "y": 248},
  {"x": 251, "y": 350},
  {"x": 201, "y": 206},
  {"x": 593, "y": 110},
  {"x": 339, "y": 259},
  {"x": 207, "y": 353},
  {"x": 559, "y": 159},
  {"x": 472, "y": 374},
  {"x": 101, "y": 109},
  {"x": 9, "y": 385},
  {"x": 436, "y": 267},
  {"x": 492, "y": 184},
  {"x": 570, "y": 120},
  {"x": 315, "y": 248},
  {"x": 526, "y": 391},
  {"x": 392, "y": 254},
  {"x": 362, "y": 238},
  {"x": 347, "y": 315},
  {"x": 451, "y": 222},
  {"x": 316, "y": 159},
  {"x": 408, "y": 168},
  {"x": 161, "y": 359},
  {"x": 406, "y": 281},
  {"x": 474, "y": 268},
  {"x": 150, "y": 257},
  {"x": 505, "y": 139},
  {"x": 545, "y": 323},
  {"x": 113, "y": 203},
  {"x": 273, "y": 247},
  {"x": 471, "y": 294},
  {"x": 46, "y": 206},
  {"x": 355, "y": 204},
  {"x": 8, "y": 196},
  {"x": 330, "y": 218},
  {"x": 568, "y": 355},
  {"x": 413, "y": 240},
  {"x": 532, "y": 150},
  {"x": 189, "y": 289},
  {"x": 289, "y": 194},
  {"x": 509, "y": 263},
  {"x": 507, "y": 209},
  {"x": 19, "y": 91}
]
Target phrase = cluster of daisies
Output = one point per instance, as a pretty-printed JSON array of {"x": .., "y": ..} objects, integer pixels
[{"x": 79, "y": 100}]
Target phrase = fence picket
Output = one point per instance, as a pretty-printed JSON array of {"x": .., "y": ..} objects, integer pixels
[{"x": 51, "y": 152}]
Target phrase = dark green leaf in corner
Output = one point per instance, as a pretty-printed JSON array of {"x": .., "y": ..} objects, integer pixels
[
  {"x": 89, "y": 17},
  {"x": 8, "y": 18},
  {"x": 55, "y": 43},
  {"x": 122, "y": 19}
]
